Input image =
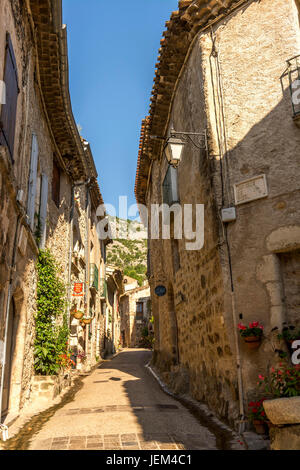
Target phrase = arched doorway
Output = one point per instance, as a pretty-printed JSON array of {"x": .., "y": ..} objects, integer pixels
[
  {"x": 173, "y": 326},
  {"x": 10, "y": 346}
]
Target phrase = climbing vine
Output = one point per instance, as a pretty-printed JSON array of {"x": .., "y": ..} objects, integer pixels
[{"x": 51, "y": 342}]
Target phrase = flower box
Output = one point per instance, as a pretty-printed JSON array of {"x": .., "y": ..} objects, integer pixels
[
  {"x": 77, "y": 315},
  {"x": 253, "y": 342},
  {"x": 252, "y": 334}
]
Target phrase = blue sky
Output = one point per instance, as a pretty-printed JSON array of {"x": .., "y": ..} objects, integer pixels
[{"x": 113, "y": 48}]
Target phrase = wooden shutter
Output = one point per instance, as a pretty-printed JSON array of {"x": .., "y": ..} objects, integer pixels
[
  {"x": 56, "y": 184},
  {"x": 9, "y": 110},
  {"x": 43, "y": 210},
  {"x": 32, "y": 181}
]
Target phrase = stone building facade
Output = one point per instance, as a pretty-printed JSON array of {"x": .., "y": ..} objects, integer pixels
[
  {"x": 49, "y": 191},
  {"x": 115, "y": 290},
  {"x": 135, "y": 314},
  {"x": 223, "y": 72}
]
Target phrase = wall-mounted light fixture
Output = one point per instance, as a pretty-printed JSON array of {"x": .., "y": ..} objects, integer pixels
[
  {"x": 292, "y": 73},
  {"x": 176, "y": 142}
]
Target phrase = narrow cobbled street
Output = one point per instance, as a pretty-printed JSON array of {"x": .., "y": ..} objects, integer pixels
[{"x": 121, "y": 406}]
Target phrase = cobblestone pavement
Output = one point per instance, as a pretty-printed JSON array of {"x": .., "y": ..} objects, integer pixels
[{"x": 122, "y": 407}]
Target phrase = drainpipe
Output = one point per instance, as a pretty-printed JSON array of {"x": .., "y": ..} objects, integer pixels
[
  {"x": 236, "y": 341},
  {"x": 9, "y": 296}
]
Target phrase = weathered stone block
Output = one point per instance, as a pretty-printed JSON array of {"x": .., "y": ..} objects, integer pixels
[
  {"x": 286, "y": 438},
  {"x": 283, "y": 410},
  {"x": 284, "y": 239}
]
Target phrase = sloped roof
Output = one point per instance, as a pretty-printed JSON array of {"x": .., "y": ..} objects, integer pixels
[
  {"x": 183, "y": 26},
  {"x": 53, "y": 74}
]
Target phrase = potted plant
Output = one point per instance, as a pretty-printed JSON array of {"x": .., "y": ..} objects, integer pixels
[
  {"x": 65, "y": 361},
  {"x": 282, "y": 386},
  {"x": 289, "y": 335},
  {"x": 257, "y": 416},
  {"x": 77, "y": 314},
  {"x": 283, "y": 382},
  {"x": 81, "y": 358},
  {"x": 252, "y": 334},
  {"x": 87, "y": 320}
]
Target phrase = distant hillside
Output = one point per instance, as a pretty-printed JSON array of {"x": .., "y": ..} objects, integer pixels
[{"x": 129, "y": 255}]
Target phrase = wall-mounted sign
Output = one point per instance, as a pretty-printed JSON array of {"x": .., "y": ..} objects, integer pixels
[
  {"x": 251, "y": 189},
  {"x": 78, "y": 289},
  {"x": 160, "y": 291}
]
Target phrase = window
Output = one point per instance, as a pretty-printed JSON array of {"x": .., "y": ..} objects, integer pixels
[
  {"x": 170, "y": 187},
  {"x": 43, "y": 210},
  {"x": 139, "y": 311},
  {"x": 56, "y": 184},
  {"x": 9, "y": 109},
  {"x": 37, "y": 201},
  {"x": 32, "y": 184}
]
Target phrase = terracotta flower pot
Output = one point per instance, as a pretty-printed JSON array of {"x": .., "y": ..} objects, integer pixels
[
  {"x": 87, "y": 321},
  {"x": 78, "y": 315},
  {"x": 260, "y": 426},
  {"x": 253, "y": 342}
]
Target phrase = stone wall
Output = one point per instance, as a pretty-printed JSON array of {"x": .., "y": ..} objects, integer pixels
[
  {"x": 33, "y": 117},
  {"x": 132, "y": 327},
  {"x": 231, "y": 87},
  {"x": 260, "y": 137},
  {"x": 47, "y": 388},
  {"x": 30, "y": 118}
]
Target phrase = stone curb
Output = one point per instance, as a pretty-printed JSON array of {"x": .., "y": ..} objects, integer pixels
[{"x": 237, "y": 442}]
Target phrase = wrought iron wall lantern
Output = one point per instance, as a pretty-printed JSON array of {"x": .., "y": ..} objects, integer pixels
[
  {"x": 175, "y": 143},
  {"x": 292, "y": 73}
]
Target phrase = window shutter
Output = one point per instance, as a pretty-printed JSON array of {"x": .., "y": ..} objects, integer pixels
[
  {"x": 32, "y": 181},
  {"x": 170, "y": 187},
  {"x": 8, "y": 110},
  {"x": 43, "y": 210},
  {"x": 56, "y": 184}
]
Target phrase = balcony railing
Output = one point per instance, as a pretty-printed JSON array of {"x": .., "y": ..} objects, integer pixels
[{"x": 292, "y": 74}]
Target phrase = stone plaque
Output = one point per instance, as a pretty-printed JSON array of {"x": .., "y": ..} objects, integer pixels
[{"x": 251, "y": 189}]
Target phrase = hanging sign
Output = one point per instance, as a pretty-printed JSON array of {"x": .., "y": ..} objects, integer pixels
[
  {"x": 78, "y": 289},
  {"x": 160, "y": 291}
]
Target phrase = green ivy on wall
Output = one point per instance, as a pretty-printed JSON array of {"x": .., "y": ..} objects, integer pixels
[{"x": 51, "y": 341}]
